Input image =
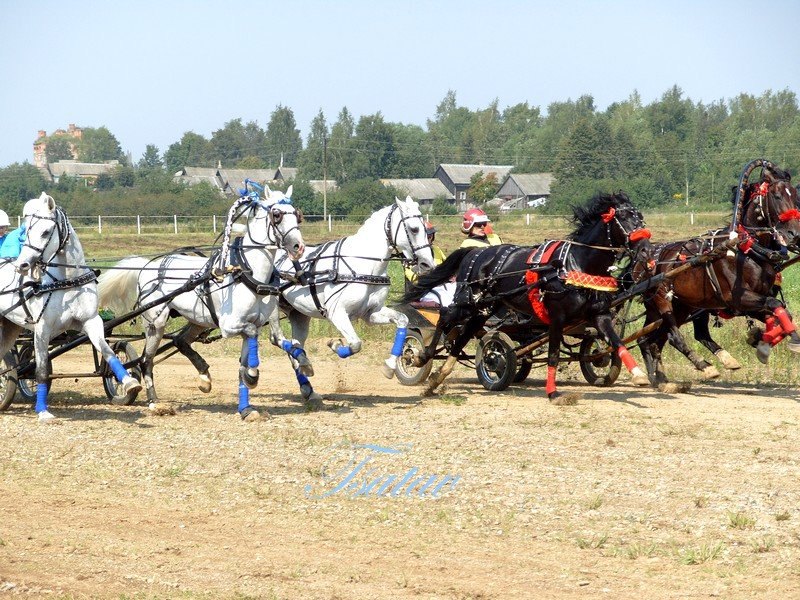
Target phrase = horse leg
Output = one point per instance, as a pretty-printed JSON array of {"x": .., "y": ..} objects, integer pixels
[
  {"x": 388, "y": 315},
  {"x": 352, "y": 343},
  {"x": 154, "y": 326},
  {"x": 678, "y": 342},
  {"x": 703, "y": 335},
  {"x": 248, "y": 373},
  {"x": 300, "y": 364},
  {"x": 605, "y": 325},
  {"x": 183, "y": 342},
  {"x": 777, "y": 326},
  {"x": 555, "y": 334},
  {"x": 471, "y": 327},
  {"x": 94, "y": 330},
  {"x": 41, "y": 343}
]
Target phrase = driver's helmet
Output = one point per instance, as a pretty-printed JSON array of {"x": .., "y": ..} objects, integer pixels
[
  {"x": 4, "y": 222},
  {"x": 472, "y": 217},
  {"x": 429, "y": 229}
]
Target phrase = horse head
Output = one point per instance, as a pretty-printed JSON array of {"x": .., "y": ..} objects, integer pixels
[
  {"x": 405, "y": 231},
  {"x": 278, "y": 222},
  {"x": 770, "y": 205},
  {"x": 611, "y": 220},
  {"x": 46, "y": 233}
]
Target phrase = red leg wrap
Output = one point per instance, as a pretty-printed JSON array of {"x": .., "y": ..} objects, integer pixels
[
  {"x": 773, "y": 332},
  {"x": 626, "y": 357},
  {"x": 785, "y": 320},
  {"x": 550, "y": 387}
]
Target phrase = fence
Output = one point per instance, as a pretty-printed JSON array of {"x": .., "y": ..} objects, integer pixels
[{"x": 337, "y": 225}]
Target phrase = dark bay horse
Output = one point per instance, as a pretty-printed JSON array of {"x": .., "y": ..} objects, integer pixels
[
  {"x": 557, "y": 283},
  {"x": 767, "y": 224}
]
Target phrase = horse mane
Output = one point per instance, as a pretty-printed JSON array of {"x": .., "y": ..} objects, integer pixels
[
  {"x": 378, "y": 216},
  {"x": 774, "y": 172},
  {"x": 585, "y": 217}
]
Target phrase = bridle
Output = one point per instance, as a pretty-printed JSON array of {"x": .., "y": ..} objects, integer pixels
[
  {"x": 61, "y": 229},
  {"x": 637, "y": 233},
  {"x": 392, "y": 236},
  {"x": 274, "y": 236}
]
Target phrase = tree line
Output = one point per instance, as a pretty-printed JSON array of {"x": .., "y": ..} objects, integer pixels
[{"x": 668, "y": 153}]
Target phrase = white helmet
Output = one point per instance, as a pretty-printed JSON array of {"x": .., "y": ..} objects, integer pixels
[
  {"x": 30, "y": 207},
  {"x": 4, "y": 222}
]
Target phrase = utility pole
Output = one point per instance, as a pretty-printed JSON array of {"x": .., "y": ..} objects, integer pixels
[{"x": 324, "y": 177}]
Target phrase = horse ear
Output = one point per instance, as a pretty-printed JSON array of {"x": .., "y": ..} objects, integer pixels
[
  {"x": 288, "y": 193},
  {"x": 51, "y": 203},
  {"x": 267, "y": 191}
]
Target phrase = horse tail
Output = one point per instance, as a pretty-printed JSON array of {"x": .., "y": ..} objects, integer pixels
[
  {"x": 440, "y": 275},
  {"x": 117, "y": 288}
]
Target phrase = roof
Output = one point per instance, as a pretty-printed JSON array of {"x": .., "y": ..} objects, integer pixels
[
  {"x": 73, "y": 168},
  {"x": 285, "y": 173},
  {"x": 420, "y": 189},
  {"x": 233, "y": 179},
  {"x": 530, "y": 184},
  {"x": 318, "y": 185},
  {"x": 195, "y": 175},
  {"x": 461, "y": 174}
]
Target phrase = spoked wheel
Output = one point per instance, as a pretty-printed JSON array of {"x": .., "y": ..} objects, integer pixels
[
  {"x": 8, "y": 380},
  {"x": 602, "y": 370},
  {"x": 126, "y": 353},
  {"x": 523, "y": 370},
  {"x": 26, "y": 386},
  {"x": 496, "y": 362},
  {"x": 407, "y": 373}
]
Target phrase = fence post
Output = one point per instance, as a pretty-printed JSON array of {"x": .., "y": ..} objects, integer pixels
[
  {"x": 691, "y": 218},
  {"x": 138, "y": 225},
  {"x": 330, "y": 223},
  {"x": 215, "y": 223},
  {"x": 175, "y": 223},
  {"x": 99, "y": 224},
  {"x": 528, "y": 222}
]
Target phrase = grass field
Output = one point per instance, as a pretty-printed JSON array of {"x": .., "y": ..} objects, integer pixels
[{"x": 121, "y": 240}]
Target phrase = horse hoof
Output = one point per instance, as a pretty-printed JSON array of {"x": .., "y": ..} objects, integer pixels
[
  {"x": 559, "y": 399},
  {"x": 794, "y": 346},
  {"x": 205, "y": 383},
  {"x": 161, "y": 409},
  {"x": 248, "y": 380},
  {"x": 639, "y": 377},
  {"x": 314, "y": 402},
  {"x": 711, "y": 372},
  {"x": 250, "y": 414},
  {"x": 762, "y": 352},
  {"x": 727, "y": 360},
  {"x": 131, "y": 385},
  {"x": 387, "y": 370},
  {"x": 46, "y": 417}
]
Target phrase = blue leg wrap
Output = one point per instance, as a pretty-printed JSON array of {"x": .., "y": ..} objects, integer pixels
[
  {"x": 399, "y": 341},
  {"x": 301, "y": 379},
  {"x": 244, "y": 397},
  {"x": 119, "y": 371},
  {"x": 252, "y": 352},
  {"x": 292, "y": 350},
  {"x": 41, "y": 398},
  {"x": 344, "y": 351}
]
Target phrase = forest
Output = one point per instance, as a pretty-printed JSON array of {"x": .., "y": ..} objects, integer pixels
[{"x": 667, "y": 155}]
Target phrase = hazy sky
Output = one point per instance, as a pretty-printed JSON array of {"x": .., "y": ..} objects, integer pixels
[{"x": 151, "y": 70}]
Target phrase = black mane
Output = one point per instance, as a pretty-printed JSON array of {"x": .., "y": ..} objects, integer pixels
[{"x": 585, "y": 217}]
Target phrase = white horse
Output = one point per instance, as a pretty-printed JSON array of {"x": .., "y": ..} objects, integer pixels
[
  {"x": 347, "y": 279},
  {"x": 234, "y": 292},
  {"x": 49, "y": 289}
]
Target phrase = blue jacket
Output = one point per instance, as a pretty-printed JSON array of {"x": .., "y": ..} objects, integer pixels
[{"x": 12, "y": 243}]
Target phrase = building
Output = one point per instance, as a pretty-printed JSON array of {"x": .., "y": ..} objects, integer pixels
[
  {"x": 525, "y": 190},
  {"x": 285, "y": 173},
  {"x": 457, "y": 178},
  {"x": 89, "y": 172},
  {"x": 40, "y": 145},
  {"x": 424, "y": 191},
  {"x": 232, "y": 180}
]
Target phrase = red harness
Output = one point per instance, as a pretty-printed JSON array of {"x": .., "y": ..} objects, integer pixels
[{"x": 531, "y": 277}]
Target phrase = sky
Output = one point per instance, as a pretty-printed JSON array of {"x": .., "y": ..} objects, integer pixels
[{"x": 151, "y": 70}]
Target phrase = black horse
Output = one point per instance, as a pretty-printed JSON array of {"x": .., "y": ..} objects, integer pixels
[
  {"x": 767, "y": 224},
  {"x": 560, "y": 283}
]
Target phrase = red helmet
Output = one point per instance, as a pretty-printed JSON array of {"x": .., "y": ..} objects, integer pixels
[
  {"x": 429, "y": 228},
  {"x": 472, "y": 217}
]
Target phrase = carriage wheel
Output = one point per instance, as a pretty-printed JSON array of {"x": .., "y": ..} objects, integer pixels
[
  {"x": 26, "y": 387},
  {"x": 523, "y": 370},
  {"x": 8, "y": 381},
  {"x": 603, "y": 370},
  {"x": 496, "y": 362},
  {"x": 125, "y": 352},
  {"x": 407, "y": 373}
]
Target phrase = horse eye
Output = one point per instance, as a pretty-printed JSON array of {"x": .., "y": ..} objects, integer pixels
[
  {"x": 277, "y": 216},
  {"x": 299, "y": 214},
  {"x": 414, "y": 230}
]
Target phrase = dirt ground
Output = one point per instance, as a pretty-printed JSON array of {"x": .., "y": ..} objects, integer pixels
[{"x": 628, "y": 494}]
